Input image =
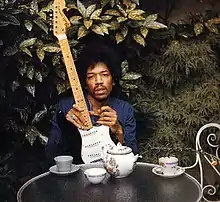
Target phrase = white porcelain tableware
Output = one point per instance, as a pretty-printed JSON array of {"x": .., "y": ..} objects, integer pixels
[
  {"x": 53, "y": 169},
  {"x": 168, "y": 164},
  {"x": 95, "y": 175},
  {"x": 119, "y": 160},
  {"x": 158, "y": 171},
  {"x": 64, "y": 163}
]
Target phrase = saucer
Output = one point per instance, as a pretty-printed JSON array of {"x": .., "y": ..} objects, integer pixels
[
  {"x": 54, "y": 170},
  {"x": 179, "y": 171}
]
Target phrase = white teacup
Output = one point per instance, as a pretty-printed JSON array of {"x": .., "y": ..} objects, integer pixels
[
  {"x": 168, "y": 165},
  {"x": 64, "y": 163}
]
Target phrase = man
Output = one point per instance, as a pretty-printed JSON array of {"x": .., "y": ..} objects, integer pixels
[{"x": 99, "y": 73}]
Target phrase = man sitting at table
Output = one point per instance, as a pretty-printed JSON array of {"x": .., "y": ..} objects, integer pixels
[{"x": 99, "y": 71}]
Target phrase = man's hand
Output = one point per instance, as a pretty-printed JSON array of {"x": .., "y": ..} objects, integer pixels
[
  {"x": 75, "y": 116},
  {"x": 108, "y": 117}
]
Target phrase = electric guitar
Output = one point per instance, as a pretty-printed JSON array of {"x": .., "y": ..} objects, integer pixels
[{"x": 97, "y": 137}]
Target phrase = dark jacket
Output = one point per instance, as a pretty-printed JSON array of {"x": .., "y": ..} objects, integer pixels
[{"x": 64, "y": 137}]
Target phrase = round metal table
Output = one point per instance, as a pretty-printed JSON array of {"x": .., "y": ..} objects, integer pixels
[{"x": 141, "y": 185}]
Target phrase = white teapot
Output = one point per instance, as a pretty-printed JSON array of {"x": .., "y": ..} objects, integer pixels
[{"x": 119, "y": 160}]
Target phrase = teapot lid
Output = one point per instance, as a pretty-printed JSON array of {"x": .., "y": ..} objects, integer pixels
[{"x": 119, "y": 150}]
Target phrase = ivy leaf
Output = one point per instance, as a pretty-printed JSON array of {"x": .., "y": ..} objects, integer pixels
[
  {"x": 106, "y": 17},
  {"x": 121, "y": 19},
  {"x": 139, "y": 39},
  {"x": 212, "y": 28},
  {"x": 81, "y": 8},
  {"x": 27, "y": 51},
  {"x": 124, "y": 67},
  {"x": 149, "y": 19},
  {"x": 124, "y": 31},
  {"x": 40, "y": 54},
  {"x": 119, "y": 37},
  {"x": 95, "y": 15},
  {"x": 198, "y": 28},
  {"x": 144, "y": 31},
  {"x": 71, "y": 6},
  {"x": 28, "y": 42},
  {"x": 87, "y": 23},
  {"x": 61, "y": 87},
  {"x": 51, "y": 48},
  {"x": 31, "y": 89},
  {"x": 136, "y": 14},
  {"x": 104, "y": 27},
  {"x": 113, "y": 12},
  {"x": 90, "y": 10},
  {"x": 82, "y": 32},
  {"x": 30, "y": 72},
  {"x": 75, "y": 19},
  {"x": 38, "y": 76},
  {"x": 122, "y": 11},
  {"x": 42, "y": 15},
  {"x": 28, "y": 25},
  {"x": 131, "y": 76},
  {"x": 41, "y": 24},
  {"x": 156, "y": 25},
  {"x": 97, "y": 29}
]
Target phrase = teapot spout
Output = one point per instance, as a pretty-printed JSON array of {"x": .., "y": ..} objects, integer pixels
[{"x": 136, "y": 157}]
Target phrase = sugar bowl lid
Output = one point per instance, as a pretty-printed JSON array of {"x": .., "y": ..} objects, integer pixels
[{"x": 119, "y": 150}]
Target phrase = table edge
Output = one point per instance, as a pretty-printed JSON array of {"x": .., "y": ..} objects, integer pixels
[{"x": 138, "y": 163}]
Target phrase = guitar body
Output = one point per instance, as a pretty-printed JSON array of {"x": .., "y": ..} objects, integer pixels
[{"x": 93, "y": 141}]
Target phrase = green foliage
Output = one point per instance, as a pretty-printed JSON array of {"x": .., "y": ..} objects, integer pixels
[
  {"x": 184, "y": 92},
  {"x": 118, "y": 20}
]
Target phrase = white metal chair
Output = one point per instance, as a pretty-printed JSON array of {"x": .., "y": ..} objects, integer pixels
[{"x": 212, "y": 159}]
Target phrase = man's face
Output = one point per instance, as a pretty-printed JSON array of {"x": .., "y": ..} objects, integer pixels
[{"x": 99, "y": 81}]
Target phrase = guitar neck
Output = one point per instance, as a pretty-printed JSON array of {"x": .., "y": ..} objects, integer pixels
[{"x": 74, "y": 79}]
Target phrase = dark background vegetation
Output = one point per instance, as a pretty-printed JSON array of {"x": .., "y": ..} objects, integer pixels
[{"x": 170, "y": 75}]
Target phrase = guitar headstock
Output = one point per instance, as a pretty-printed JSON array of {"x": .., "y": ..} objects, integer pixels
[{"x": 60, "y": 21}]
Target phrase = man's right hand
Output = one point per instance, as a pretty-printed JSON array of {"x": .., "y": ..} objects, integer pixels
[{"x": 75, "y": 116}]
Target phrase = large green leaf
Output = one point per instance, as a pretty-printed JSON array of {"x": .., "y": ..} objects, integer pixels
[
  {"x": 97, "y": 29},
  {"x": 139, "y": 39},
  {"x": 82, "y": 32},
  {"x": 149, "y": 19},
  {"x": 31, "y": 89},
  {"x": 28, "y": 25},
  {"x": 198, "y": 28},
  {"x": 90, "y": 10},
  {"x": 28, "y": 42},
  {"x": 40, "y": 23},
  {"x": 95, "y": 15},
  {"x": 40, "y": 54},
  {"x": 81, "y": 8}
]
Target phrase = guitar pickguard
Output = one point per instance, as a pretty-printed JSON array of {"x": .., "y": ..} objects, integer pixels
[{"x": 92, "y": 142}]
